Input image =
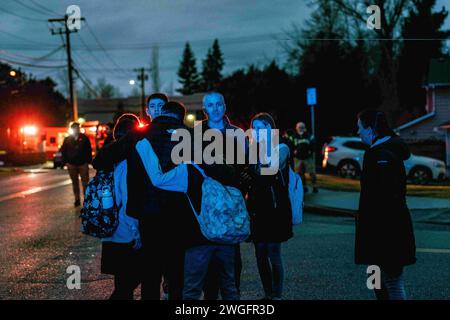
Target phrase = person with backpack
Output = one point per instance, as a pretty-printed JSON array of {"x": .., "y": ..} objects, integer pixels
[
  {"x": 121, "y": 252},
  {"x": 156, "y": 209},
  {"x": 209, "y": 266},
  {"x": 269, "y": 206},
  {"x": 384, "y": 230}
]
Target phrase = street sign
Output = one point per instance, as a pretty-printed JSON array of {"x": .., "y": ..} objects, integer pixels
[{"x": 311, "y": 96}]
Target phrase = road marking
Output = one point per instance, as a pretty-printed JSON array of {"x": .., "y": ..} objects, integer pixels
[
  {"x": 31, "y": 191},
  {"x": 427, "y": 250}
]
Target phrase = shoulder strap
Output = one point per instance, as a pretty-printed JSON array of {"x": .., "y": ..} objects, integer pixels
[{"x": 196, "y": 166}]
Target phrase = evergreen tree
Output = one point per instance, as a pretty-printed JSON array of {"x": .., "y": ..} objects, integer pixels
[
  {"x": 187, "y": 72},
  {"x": 212, "y": 67}
]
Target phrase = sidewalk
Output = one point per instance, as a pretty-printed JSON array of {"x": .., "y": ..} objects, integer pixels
[{"x": 424, "y": 209}]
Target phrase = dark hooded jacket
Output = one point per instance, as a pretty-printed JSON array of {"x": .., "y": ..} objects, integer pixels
[{"x": 384, "y": 230}]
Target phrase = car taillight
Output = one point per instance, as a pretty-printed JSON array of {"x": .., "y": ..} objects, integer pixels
[{"x": 330, "y": 149}]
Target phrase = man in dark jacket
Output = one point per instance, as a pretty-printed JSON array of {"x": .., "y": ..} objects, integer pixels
[
  {"x": 77, "y": 153},
  {"x": 303, "y": 149},
  {"x": 211, "y": 265},
  {"x": 384, "y": 230},
  {"x": 162, "y": 214}
]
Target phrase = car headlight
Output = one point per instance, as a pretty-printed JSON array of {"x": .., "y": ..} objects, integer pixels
[{"x": 439, "y": 165}]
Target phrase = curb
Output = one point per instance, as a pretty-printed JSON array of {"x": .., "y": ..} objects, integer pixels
[{"x": 329, "y": 211}]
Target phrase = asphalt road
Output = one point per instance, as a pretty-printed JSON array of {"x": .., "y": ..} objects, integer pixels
[{"x": 40, "y": 238}]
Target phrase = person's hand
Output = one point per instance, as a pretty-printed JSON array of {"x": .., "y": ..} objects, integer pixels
[
  {"x": 137, "y": 240},
  {"x": 137, "y": 244},
  {"x": 246, "y": 178}
]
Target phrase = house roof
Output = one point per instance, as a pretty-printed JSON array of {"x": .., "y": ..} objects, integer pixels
[
  {"x": 415, "y": 121},
  {"x": 439, "y": 72},
  {"x": 191, "y": 102}
]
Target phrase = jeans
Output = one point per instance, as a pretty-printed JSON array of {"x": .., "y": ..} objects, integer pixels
[
  {"x": 270, "y": 267},
  {"x": 392, "y": 284},
  {"x": 197, "y": 261},
  {"x": 212, "y": 282},
  {"x": 74, "y": 172}
]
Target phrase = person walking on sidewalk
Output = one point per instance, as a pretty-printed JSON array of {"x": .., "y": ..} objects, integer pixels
[
  {"x": 384, "y": 230},
  {"x": 121, "y": 255},
  {"x": 270, "y": 210},
  {"x": 303, "y": 144},
  {"x": 77, "y": 153}
]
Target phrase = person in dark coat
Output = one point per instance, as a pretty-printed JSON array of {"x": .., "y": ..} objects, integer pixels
[
  {"x": 213, "y": 267},
  {"x": 77, "y": 154},
  {"x": 270, "y": 211},
  {"x": 384, "y": 230},
  {"x": 109, "y": 134},
  {"x": 121, "y": 256}
]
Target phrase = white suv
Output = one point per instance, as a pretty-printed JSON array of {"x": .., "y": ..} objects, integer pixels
[{"x": 347, "y": 154}]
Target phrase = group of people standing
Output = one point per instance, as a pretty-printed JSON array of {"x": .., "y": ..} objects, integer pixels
[
  {"x": 159, "y": 244},
  {"x": 158, "y": 241}
]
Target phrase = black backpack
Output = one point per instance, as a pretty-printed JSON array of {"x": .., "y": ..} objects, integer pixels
[{"x": 97, "y": 221}]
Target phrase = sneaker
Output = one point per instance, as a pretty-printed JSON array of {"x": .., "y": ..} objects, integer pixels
[
  {"x": 315, "y": 190},
  {"x": 77, "y": 203}
]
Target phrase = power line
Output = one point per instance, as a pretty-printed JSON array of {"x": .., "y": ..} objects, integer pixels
[
  {"x": 30, "y": 65},
  {"x": 91, "y": 53},
  {"x": 35, "y": 59},
  {"x": 20, "y": 16},
  {"x": 24, "y": 39},
  {"x": 48, "y": 10},
  {"x": 66, "y": 31},
  {"x": 85, "y": 62},
  {"x": 34, "y": 9},
  {"x": 85, "y": 82},
  {"x": 101, "y": 46}
]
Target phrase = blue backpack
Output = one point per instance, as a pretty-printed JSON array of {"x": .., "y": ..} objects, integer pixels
[
  {"x": 100, "y": 215},
  {"x": 224, "y": 218}
]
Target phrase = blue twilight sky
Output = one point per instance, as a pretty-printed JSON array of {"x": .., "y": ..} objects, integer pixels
[{"x": 247, "y": 30}]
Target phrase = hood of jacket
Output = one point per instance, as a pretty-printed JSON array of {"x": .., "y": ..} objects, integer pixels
[{"x": 397, "y": 146}]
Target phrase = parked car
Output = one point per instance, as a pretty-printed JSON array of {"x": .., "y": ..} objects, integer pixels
[
  {"x": 346, "y": 155},
  {"x": 58, "y": 161}
]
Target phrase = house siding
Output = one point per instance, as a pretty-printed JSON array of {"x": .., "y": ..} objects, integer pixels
[{"x": 426, "y": 129}]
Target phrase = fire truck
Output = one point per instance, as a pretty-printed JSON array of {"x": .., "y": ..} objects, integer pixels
[{"x": 43, "y": 143}]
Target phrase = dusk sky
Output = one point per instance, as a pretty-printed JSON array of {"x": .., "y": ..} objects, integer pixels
[{"x": 246, "y": 29}]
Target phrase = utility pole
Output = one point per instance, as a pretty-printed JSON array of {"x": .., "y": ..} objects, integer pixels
[
  {"x": 67, "y": 31},
  {"x": 142, "y": 76}
]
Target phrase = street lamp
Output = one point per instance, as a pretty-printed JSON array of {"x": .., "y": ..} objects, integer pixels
[
  {"x": 190, "y": 117},
  {"x": 13, "y": 73},
  {"x": 132, "y": 82}
]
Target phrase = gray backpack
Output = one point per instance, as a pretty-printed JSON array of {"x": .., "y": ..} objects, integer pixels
[{"x": 223, "y": 218}]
